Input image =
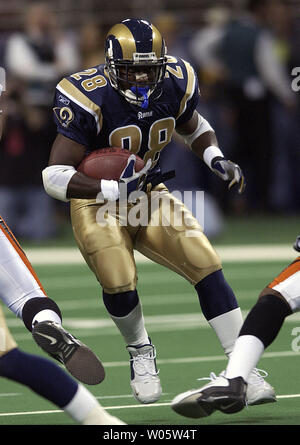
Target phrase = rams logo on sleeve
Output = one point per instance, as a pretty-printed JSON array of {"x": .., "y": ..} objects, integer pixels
[{"x": 65, "y": 115}]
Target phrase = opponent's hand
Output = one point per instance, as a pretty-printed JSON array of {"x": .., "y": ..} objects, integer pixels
[
  {"x": 132, "y": 179},
  {"x": 229, "y": 171}
]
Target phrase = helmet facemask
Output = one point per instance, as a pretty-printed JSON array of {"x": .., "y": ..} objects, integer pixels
[{"x": 136, "y": 80}]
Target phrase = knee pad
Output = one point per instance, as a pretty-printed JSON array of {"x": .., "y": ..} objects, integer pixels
[{"x": 200, "y": 257}]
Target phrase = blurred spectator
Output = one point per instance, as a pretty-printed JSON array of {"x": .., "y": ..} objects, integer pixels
[
  {"x": 285, "y": 183},
  {"x": 204, "y": 49},
  {"x": 253, "y": 75},
  {"x": 175, "y": 35},
  {"x": 24, "y": 151},
  {"x": 35, "y": 60},
  {"x": 204, "y": 46},
  {"x": 195, "y": 176},
  {"x": 91, "y": 45},
  {"x": 40, "y": 55}
]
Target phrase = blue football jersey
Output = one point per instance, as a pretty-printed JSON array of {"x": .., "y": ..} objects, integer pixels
[{"x": 90, "y": 111}]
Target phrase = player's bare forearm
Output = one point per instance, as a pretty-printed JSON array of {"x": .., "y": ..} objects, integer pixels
[
  {"x": 83, "y": 187},
  {"x": 202, "y": 142}
]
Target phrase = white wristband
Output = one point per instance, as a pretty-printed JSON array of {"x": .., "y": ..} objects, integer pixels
[
  {"x": 110, "y": 189},
  {"x": 210, "y": 153}
]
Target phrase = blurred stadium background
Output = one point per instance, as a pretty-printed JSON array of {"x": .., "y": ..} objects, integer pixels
[
  {"x": 244, "y": 53},
  {"x": 250, "y": 104},
  {"x": 247, "y": 96}
]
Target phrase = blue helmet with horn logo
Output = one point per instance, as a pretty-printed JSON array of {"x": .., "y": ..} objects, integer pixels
[{"x": 135, "y": 55}]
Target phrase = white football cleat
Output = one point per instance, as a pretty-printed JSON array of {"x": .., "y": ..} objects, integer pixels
[
  {"x": 145, "y": 383},
  {"x": 225, "y": 395},
  {"x": 258, "y": 390}
]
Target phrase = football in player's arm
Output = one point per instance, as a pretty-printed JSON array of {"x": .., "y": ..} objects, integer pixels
[{"x": 136, "y": 100}]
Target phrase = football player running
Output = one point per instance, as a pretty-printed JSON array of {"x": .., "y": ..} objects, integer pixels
[
  {"x": 135, "y": 101},
  {"x": 228, "y": 392}
]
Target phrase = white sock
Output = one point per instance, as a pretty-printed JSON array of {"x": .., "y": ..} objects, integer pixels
[
  {"x": 132, "y": 327},
  {"x": 227, "y": 327},
  {"x": 85, "y": 409},
  {"x": 98, "y": 416},
  {"x": 46, "y": 315},
  {"x": 246, "y": 353},
  {"x": 81, "y": 405}
]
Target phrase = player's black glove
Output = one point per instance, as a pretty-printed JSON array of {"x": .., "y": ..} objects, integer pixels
[
  {"x": 229, "y": 171},
  {"x": 158, "y": 178},
  {"x": 297, "y": 244}
]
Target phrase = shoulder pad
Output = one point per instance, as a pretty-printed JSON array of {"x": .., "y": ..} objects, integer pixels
[{"x": 83, "y": 88}]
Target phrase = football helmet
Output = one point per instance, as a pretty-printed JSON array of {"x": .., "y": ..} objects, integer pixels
[{"x": 135, "y": 57}]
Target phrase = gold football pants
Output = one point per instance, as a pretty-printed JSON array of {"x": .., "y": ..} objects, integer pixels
[{"x": 159, "y": 226}]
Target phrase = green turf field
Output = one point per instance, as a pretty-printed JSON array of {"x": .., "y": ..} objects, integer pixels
[{"x": 187, "y": 348}]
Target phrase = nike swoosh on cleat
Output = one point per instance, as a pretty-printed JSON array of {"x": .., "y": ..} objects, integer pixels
[
  {"x": 227, "y": 406},
  {"x": 52, "y": 339}
]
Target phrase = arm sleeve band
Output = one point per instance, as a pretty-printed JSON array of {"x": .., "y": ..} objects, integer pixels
[
  {"x": 56, "y": 179},
  {"x": 202, "y": 127}
]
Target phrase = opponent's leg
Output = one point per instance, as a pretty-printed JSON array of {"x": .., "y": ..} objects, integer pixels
[
  {"x": 23, "y": 293},
  {"x": 49, "y": 381},
  {"x": 263, "y": 323},
  {"x": 227, "y": 393}
]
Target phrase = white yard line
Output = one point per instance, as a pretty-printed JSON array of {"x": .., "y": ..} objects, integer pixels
[
  {"x": 138, "y": 406},
  {"x": 261, "y": 252},
  {"x": 10, "y": 394}
]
